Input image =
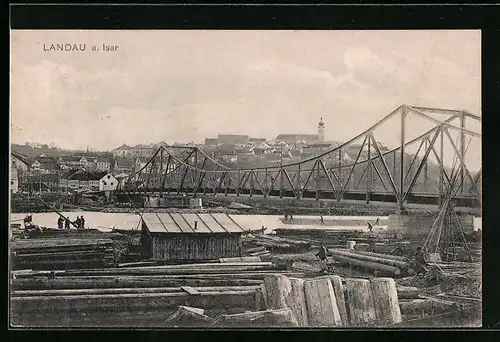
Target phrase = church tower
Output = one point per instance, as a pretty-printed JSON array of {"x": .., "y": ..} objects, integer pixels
[{"x": 321, "y": 130}]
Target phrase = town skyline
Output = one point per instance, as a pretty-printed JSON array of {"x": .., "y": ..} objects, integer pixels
[{"x": 198, "y": 84}]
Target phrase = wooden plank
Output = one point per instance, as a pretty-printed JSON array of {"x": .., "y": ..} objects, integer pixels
[
  {"x": 297, "y": 302},
  {"x": 167, "y": 221},
  {"x": 201, "y": 227},
  {"x": 228, "y": 223},
  {"x": 212, "y": 223},
  {"x": 153, "y": 223},
  {"x": 190, "y": 290},
  {"x": 385, "y": 300},
  {"x": 338, "y": 288},
  {"x": 182, "y": 223},
  {"x": 360, "y": 302},
  {"x": 322, "y": 306}
]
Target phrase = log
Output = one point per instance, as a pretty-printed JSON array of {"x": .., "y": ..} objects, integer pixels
[
  {"x": 255, "y": 249},
  {"x": 264, "y": 319},
  {"x": 123, "y": 283},
  {"x": 297, "y": 302},
  {"x": 429, "y": 306},
  {"x": 132, "y": 302},
  {"x": 338, "y": 288},
  {"x": 384, "y": 256},
  {"x": 380, "y": 260},
  {"x": 360, "y": 302},
  {"x": 322, "y": 306},
  {"x": 407, "y": 292},
  {"x": 216, "y": 269},
  {"x": 385, "y": 299},
  {"x": 242, "y": 259},
  {"x": 278, "y": 288},
  {"x": 187, "y": 316},
  {"x": 179, "y": 289},
  {"x": 368, "y": 265}
]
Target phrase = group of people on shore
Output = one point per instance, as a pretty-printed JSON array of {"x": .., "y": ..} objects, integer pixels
[{"x": 65, "y": 223}]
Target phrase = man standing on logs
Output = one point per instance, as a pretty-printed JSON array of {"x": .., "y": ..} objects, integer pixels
[
  {"x": 322, "y": 255},
  {"x": 420, "y": 263}
]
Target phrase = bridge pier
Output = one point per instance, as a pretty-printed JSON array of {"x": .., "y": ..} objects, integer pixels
[{"x": 417, "y": 226}]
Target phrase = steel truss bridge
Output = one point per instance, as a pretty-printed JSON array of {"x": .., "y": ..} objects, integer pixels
[{"x": 376, "y": 173}]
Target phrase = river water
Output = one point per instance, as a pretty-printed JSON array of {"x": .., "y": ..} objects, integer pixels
[{"x": 125, "y": 221}]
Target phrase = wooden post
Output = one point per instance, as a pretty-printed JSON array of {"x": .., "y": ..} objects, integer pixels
[
  {"x": 385, "y": 299},
  {"x": 360, "y": 301},
  {"x": 297, "y": 302},
  {"x": 338, "y": 288},
  {"x": 278, "y": 288},
  {"x": 322, "y": 306}
]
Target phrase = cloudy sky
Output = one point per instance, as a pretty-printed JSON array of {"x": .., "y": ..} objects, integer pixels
[{"x": 181, "y": 86}]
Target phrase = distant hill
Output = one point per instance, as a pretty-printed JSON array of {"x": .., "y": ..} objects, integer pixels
[{"x": 31, "y": 151}]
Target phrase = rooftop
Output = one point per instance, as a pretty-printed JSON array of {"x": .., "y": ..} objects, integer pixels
[{"x": 184, "y": 223}]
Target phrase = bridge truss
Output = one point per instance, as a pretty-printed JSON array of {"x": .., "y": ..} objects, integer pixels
[{"x": 374, "y": 173}]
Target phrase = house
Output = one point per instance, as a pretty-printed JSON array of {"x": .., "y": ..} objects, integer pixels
[
  {"x": 84, "y": 180},
  {"x": 257, "y": 140},
  {"x": 20, "y": 161},
  {"x": 210, "y": 142},
  {"x": 14, "y": 180},
  {"x": 69, "y": 162},
  {"x": 108, "y": 182},
  {"x": 103, "y": 164},
  {"x": 44, "y": 165},
  {"x": 142, "y": 151},
  {"x": 124, "y": 165},
  {"x": 232, "y": 139},
  {"x": 122, "y": 151},
  {"x": 47, "y": 181},
  {"x": 292, "y": 138},
  {"x": 171, "y": 237}
]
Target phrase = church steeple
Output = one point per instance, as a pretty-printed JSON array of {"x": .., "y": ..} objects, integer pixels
[{"x": 321, "y": 130}]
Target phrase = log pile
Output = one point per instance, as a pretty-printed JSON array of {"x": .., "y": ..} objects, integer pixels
[
  {"x": 62, "y": 253},
  {"x": 327, "y": 236},
  {"x": 81, "y": 297},
  {"x": 380, "y": 263},
  {"x": 327, "y": 302},
  {"x": 261, "y": 242}
]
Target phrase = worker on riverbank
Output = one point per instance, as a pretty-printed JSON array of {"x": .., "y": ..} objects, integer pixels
[
  {"x": 66, "y": 223},
  {"x": 82, "y": 220},
  {"x": 370, "y": 227},
  {"x": 321, "y": 220},
  {"x": 78, "y": 222},
  {"x": 377, "y": 222},
  {"x": 322, "y": 256},
  {"x": 28, "y": 221},
  {"x": 60, "y": 222},
  {"x": 420, "y": 263}
]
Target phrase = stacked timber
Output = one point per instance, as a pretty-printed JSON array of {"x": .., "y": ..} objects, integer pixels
[
  {"x": 327, "y": 236},
  {"x": 275, "y": 243},
  {"x": 56, "y": 253},
  {"x": 84, "y": 297},
  {"x": 327, "y": 302},
  {"x": 380, "y": 263}
]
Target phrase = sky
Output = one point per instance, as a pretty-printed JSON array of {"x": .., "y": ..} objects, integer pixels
[{"x": 182, "y": 86}]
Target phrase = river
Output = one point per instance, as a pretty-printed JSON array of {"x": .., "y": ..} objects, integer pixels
[{"x": 126, "y": 221}]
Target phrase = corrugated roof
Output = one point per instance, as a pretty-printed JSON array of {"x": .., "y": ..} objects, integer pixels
[{"x": 184, "y": 223}]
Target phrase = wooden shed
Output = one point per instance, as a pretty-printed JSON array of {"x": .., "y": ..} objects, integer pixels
[{"x": 176, "y": 236}]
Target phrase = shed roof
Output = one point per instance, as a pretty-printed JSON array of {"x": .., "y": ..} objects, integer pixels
[{"x": 184, "y": 223}]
